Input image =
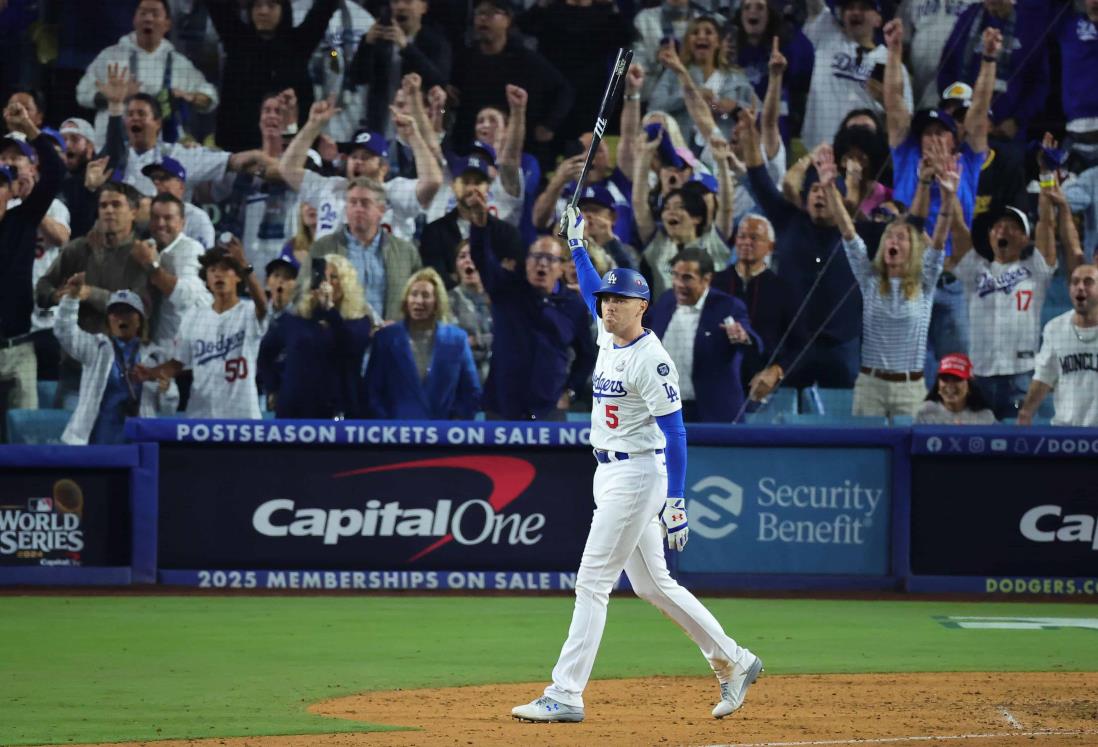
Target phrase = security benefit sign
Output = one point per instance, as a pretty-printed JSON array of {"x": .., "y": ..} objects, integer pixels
[
  {"x": 70, "y": 518},
  {"x": 789, "y": 510},
  {"x": 234, "y": 507},
  {"x": 995, "y": 517}
]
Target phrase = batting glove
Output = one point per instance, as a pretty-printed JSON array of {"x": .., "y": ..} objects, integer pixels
[
  {"x": 673, "y": 517},
  {"x": 572, "y": 225}
]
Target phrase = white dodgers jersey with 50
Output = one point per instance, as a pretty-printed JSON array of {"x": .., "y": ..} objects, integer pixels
[
  {"x": 221, "y": 349},
  {"x": 631, "y": 387}
]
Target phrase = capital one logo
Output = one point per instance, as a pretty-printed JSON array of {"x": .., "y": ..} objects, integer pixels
[
  {"x": 1049, "y": 524},
  {"x": 711, "y": 514}
]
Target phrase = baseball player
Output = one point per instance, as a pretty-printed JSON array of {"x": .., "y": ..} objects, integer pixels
[
  {"x": 640, "y": 444},
  {"x": 220, "y": 342}
]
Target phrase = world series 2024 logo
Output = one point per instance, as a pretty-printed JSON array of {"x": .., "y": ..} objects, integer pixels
[{"x": 44, "y": 530}]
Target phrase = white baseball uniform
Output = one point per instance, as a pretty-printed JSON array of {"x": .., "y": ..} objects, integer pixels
[
  {"x": 1068, "y": 362},
  {"x": 1004, "y": 311},
  {"x": 632, "y": 386},
  {"x": 221, "y": 349}
]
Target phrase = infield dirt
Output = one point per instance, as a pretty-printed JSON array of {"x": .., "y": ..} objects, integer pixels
[{"x": 965, "y": 709}]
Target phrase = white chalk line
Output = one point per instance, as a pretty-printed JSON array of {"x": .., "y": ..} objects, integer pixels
[
  {"x": 1009, "y": 717},
  {"x": 899, "y": 740}
]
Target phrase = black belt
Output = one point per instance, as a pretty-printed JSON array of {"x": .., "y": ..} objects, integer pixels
[
  {"x": 605, "y": 457},
  {"x": 11, "y": 342}
]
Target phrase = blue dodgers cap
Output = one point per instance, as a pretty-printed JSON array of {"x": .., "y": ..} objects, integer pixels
[
  {"x": 708, "y": 181},
  {"x": 285, "y": 257},
  {"x": 126, "y": 298},
  {"x": 20, "y": 145},
  {"x": 371, "y": 141},
  {"x": 55, "y": 136},
  {"x": 474, "y": 163},
  {"x": 486, "y": 149},
  {"x": 169, "y": 166},
  {"x": 622, "y": 281},
  {"x": 597, "y": 194},
  {"x": 668, "y": 155},
  {"x": 926, "y": 117}
]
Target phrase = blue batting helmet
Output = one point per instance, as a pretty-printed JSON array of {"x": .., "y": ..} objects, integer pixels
[{"x": 621, "y": 281}]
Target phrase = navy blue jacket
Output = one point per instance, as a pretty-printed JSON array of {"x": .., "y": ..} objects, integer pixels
[
  {"x": 18, "y": 234},
  {"x": 718, "y": 390},
  {"x": 394, "y": 390},
  {"x": 532, "y": 333},
  {"x": 315, "y": 365}
]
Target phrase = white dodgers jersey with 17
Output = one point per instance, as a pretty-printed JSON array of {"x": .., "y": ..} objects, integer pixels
[{"x": 631, "y": 387}]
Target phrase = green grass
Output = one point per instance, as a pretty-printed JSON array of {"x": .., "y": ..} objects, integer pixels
[{"x": 133, "y": 668}]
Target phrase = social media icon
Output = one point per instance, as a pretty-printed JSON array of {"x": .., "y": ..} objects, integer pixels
[{"x": 998, "y": 444}]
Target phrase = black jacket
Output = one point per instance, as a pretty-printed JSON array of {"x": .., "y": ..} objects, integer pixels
[
  {"x": 255, "y": 66},
  {"x": 438, "y": 245},
  {"x": 482, "y": 79},
  {"x": 428, "y": 54},
  {"x": 18, "y": 233}
]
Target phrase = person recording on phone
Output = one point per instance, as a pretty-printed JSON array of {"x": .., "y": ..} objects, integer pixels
[
  {"x": 311, "y": 361},
  {"x": 397, "y": 45}
]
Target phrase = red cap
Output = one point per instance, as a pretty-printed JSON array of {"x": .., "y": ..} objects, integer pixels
[{"x": 956, "y": 364}]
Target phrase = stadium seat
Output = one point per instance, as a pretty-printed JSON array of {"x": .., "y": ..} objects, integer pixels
[
  {"x": 42, "y": 426},
  {"x": 827, "y": 401},
  {"x": 47, "y": 390},
  {"x": 774, "y": 409}
]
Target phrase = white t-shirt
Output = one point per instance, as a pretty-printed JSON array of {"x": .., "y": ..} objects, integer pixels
[
  {"x": 328, "y": 194},
  {"x": 221, "y": 349},
  {"x": 930, "y": 22},
  {"x": 202, "y": 165},
  {"x": 180, "y": 258},
  {"x": 839, "y": 79},
  {"x": 1068, "y": 362},
  {"x": 44, "y": 256},
  {"x": 197, "y": 225},
  {"x": 632, "y": 386},
  {"x": 1004, "y": 311}
]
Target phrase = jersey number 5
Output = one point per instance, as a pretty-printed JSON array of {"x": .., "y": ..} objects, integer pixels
[
  {"x": 612, "y": 416},
  {"x": 237, "y": 368}
]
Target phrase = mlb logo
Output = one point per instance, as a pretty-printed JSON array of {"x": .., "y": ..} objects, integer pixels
[{"x": 40, "y": 504}]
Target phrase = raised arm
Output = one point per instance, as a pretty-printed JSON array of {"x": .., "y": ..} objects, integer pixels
[
  {"x": 428, "y": 170},
  {"x": 630, "y": 117},
  {"x": 977, "y": 120},
  {"x": 567, "y": 171},
  {"x": 726, "y": 192},
  {"x": 588, "y": 277},
  {"x": 642, "y": 163},
  {"x": 949, "y": 178},
  {"x": 897, "y": 115},
  {"x": 510, "y": 156},
  {"x": 292, "y": 163},
  {"x": 828, "y": 172},
  {"x": 772, "y": 104}
]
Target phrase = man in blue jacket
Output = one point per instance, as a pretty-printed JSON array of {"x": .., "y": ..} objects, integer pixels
[
  {"x": 706, "y": 332},
  {"x": 18, "y": 233},
  {"x": 535, "y": 319}
]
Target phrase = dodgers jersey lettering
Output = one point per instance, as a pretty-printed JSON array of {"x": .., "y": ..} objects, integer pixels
[
  {"x": 221, "y": 349},
  {"x": 631, "y": 387}
]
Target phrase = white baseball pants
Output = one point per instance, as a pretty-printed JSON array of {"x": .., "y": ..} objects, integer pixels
[{"x": 625, "y": 535}]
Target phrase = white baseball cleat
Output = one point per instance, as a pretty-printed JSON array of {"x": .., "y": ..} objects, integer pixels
[
  {"x": 545, "y": 709},
  {"x": 735, "y": 690}
]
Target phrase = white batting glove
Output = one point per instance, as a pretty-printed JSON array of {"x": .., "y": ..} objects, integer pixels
[
  {"x": 573, "y": 225},
  {"x": 673, "y": 517}
]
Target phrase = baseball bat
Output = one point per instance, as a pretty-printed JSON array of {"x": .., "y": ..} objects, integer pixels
[{"x": 606, "y": 108}]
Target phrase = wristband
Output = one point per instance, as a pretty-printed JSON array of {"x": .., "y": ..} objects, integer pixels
[
  {"x": 927, "y": 182},
  {"x": 989, "y": 58},
  {"x": 574, "y": 244},
  {"x": 248, "y": 270},
  {"x": 632, "y": 97}
]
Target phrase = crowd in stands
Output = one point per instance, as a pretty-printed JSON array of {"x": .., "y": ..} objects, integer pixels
[{"x": 349, "y": 208}]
